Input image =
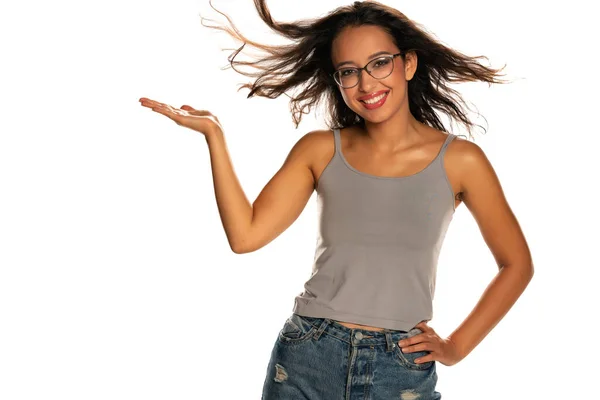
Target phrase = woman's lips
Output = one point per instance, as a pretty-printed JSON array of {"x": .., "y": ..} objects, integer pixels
[{"x": 375, "y": 105}]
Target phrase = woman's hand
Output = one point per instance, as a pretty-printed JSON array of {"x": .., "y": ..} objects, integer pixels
[
  {"x": 198, "y": 120},
  {"x": 442, "y": 350}
]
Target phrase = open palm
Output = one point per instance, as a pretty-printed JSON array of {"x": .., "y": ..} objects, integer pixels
[{"x": 198, "y": 120}]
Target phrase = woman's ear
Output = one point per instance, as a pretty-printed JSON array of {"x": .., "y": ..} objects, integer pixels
[{"x": 410, "y": 64}]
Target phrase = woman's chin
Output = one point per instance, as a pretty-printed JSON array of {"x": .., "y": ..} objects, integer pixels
[{"x": 375, "y": 119}]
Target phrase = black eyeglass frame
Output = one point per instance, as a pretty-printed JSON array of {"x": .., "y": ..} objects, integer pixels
[{"x": 392, "y": 56}]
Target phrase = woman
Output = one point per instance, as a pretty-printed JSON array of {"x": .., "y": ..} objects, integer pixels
[{"x": 388, "y": 179}]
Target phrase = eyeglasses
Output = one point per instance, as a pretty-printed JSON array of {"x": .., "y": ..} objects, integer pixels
[{"x": 378, "y": 68}]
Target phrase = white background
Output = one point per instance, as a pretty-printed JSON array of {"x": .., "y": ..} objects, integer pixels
[{"x": 116, "y": 279}]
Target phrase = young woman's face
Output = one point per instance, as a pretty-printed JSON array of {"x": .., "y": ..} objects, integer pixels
[{"x": 354, "y": 47}]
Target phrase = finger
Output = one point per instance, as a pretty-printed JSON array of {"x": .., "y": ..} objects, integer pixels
[
  {"x": 150, "y": 104},
  {"x": 162, "y": 110},
  {"x": 424, "y": 359},
  {"x": 192, "y": 111},
  {"x": 423, "y": 326},
  {"x": 201, "y": 113},
  {"x": 413, "y": 340},
  {"x": 148, "y": 101},
  {"x": 168, "y": 111},
  {"x": 416, "y": 347},
  {"x": 153, "y": 103}
]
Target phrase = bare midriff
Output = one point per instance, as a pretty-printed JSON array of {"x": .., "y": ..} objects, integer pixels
[{"x": 357, "y": 326}]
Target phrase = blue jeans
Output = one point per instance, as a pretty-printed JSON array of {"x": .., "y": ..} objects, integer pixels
[{"x": 320, "y": 359}]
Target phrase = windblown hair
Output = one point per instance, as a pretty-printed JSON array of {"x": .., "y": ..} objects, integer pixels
[{"x": 306, "y": 64}]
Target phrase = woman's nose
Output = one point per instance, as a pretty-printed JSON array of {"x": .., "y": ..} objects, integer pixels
[{"x": 366, "y": 81}]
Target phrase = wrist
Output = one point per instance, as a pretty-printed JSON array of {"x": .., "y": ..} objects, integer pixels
[
  {"x": 458, "y": 346},
  {"x": 213, "y": 134}
]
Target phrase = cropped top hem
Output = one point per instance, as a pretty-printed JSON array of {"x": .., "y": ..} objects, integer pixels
[{"x": 312, "y": 309}]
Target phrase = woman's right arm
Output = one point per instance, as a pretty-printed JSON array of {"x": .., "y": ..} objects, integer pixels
[{"x": 249, "y": 227}]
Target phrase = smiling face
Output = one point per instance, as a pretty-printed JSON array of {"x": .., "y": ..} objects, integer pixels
[{"x": 354, "y": 47}]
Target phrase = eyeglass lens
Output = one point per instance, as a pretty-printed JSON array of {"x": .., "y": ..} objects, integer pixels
[{"x": 378, "y": 68}]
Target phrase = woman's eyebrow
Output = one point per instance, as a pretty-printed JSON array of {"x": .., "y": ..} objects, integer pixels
[{"x": 371, "y": 56}]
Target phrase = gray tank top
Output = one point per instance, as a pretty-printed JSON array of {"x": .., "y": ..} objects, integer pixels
[{"x": 378, "y": 243}]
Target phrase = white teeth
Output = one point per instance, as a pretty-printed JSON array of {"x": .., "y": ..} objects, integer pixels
[{"x": 375, "y": 99}]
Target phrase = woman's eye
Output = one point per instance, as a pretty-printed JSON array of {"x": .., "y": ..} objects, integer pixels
[
  {"x": 347, "y": 72},
  {"x": 382, "y": 62}
]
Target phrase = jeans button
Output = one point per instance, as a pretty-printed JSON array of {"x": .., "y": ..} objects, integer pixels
[{"x": 359, "y": 335}]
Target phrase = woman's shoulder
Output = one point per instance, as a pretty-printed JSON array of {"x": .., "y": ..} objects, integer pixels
[
  {"x": 319, "y": 147},
  {"x": 319, "y": 141}
]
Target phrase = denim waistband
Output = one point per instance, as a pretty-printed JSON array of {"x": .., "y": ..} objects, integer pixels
[{"x": 357, "y": 336}]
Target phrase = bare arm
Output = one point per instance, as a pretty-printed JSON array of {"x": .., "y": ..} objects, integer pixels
[{"x": 250, "y": 227}]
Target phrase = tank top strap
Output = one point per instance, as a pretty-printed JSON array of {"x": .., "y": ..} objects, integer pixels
[
  {"x": 337, "y": 140},
  {"x": 445, "y": 145}
]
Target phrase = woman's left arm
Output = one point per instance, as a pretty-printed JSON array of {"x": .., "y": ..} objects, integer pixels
[{"x": 484, "y": 197}]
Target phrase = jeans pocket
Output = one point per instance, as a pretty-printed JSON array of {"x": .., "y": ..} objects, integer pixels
[
  {"x": 408, "y": 359},
  {"x": 296, "y": 330}
]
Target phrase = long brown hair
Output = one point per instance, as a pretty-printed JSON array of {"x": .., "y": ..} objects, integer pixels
[{"x": 306, "y": 64}]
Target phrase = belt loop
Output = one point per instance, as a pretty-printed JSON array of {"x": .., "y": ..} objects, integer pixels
[
  {"x": 324, "y": 324},
  {"x": 388, "y": 340}
]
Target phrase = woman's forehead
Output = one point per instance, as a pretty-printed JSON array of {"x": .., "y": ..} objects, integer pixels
[{"x": 356, "y": 44}]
